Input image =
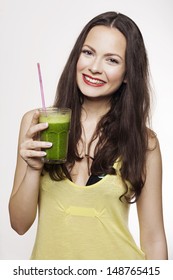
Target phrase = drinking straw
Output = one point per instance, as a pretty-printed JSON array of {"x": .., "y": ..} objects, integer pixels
[{"x": 41, "y": 87}]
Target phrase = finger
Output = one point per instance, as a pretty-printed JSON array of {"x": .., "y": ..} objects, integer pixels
[
  {"x": 35, "y": 145},
  {"x": 35, "y": 118},
  {"x": 28, "y": 154},
  {"x": 34, "y": 129}
]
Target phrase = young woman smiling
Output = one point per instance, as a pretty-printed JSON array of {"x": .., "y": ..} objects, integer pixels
[{"x": 113, "y": 159}]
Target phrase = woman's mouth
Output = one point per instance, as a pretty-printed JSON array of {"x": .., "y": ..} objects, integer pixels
[{"x": 92, "y": 81}]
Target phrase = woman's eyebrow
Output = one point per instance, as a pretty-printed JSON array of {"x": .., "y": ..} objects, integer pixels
[{"x": 90, "y": 47}]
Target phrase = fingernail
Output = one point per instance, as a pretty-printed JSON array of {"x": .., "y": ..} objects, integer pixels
[
  {"x": 48, "y": 144},
  {"x": 43, "y": 154}
]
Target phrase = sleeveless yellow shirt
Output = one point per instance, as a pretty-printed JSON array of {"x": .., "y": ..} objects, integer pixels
[{"x": 84, "y": 222}]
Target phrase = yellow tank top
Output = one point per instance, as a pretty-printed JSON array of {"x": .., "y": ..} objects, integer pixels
[{"x": 84, "y": 222}]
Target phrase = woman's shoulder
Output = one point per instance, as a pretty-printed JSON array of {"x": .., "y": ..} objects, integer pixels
[
  {"x": 153, "y": 151},
  {"x": 153, "y": 141}
]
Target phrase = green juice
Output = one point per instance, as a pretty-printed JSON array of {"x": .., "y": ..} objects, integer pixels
[{"x": 57, "y": 133}]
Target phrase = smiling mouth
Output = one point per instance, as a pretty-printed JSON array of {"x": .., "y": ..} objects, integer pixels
[{"x": 93, "y": 82}]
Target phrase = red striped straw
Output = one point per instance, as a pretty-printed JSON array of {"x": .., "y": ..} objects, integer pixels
[{"x": 41, "y": 87}]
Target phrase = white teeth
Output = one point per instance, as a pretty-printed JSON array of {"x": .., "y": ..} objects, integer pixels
[{"x": 93, "y": 80}]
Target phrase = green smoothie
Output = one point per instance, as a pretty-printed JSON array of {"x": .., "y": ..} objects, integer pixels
[{"x": 57, "y": 133}]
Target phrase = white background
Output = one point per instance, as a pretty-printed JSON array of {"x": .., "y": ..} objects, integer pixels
[{"x": 45, "y": 31}]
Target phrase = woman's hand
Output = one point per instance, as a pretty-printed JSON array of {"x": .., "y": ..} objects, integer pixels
[{"x": 30, "y": 148}]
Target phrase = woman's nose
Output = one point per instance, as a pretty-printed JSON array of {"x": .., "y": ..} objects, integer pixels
[{"x": 96, "y": 67}]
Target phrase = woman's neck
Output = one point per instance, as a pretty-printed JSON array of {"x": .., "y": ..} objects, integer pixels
[{"x": 95, "y": 108}]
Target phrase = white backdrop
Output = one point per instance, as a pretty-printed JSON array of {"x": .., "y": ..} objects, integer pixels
[{"x": 45, "y": 31}]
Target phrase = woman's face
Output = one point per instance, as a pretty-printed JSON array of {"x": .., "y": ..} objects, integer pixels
[{"x": 101, "y": 64}]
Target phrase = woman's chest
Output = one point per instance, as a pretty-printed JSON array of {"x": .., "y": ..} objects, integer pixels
[{"x": 80, "y": 172}]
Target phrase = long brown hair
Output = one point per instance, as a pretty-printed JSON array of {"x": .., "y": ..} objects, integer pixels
[{"x": 123, "y": 129}]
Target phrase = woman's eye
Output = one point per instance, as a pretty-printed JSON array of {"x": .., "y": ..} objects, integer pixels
[
  {"x": 87, "y": 52},
  {"x": 113, "y": 61}
]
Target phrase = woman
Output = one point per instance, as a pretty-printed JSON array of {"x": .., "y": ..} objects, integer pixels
[{"x": 113, "y": 157}]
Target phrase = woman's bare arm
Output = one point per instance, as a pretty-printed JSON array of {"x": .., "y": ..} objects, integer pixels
[
  {"x": 24, "y": 197},
  {"x": 149, "y": 205}
]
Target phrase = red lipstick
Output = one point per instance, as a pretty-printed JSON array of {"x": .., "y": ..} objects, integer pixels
[{"x": 94, "y": 82}]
